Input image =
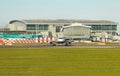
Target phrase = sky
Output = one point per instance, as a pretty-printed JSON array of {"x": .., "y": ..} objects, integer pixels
[{"x": 59, "y": 9}]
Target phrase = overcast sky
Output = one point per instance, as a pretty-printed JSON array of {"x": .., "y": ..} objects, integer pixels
[{"x": 59, "y": 9}]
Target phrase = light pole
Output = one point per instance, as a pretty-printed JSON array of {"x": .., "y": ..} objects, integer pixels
[{"x": 36, "y": 32}]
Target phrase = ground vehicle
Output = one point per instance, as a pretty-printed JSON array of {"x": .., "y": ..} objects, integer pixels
[{"x": 61, "y": 41}]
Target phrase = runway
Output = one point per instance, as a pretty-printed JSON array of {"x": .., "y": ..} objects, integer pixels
[{"x": 58, "y": 46}]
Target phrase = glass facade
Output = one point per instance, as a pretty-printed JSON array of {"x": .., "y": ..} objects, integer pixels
[
  {"x": 31, "y": 27},
  {"x": 37, "y": 27},
  {"x": 103, "y": 27},
  {"x": 58, "y": 28}
]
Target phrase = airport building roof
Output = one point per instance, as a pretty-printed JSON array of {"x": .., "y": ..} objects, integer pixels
[
  {"x": 77, "y": 24},
  {"x": 62, "y": 21}
]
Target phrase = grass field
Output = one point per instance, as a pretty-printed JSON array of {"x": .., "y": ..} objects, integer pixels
[{"x": 59, "y": 62}]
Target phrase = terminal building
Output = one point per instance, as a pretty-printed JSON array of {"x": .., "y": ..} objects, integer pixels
[{"x": 52, "y": 28}]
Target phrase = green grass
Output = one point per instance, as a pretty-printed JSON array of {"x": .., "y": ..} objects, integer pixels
[{"x": 59, "y": 62}]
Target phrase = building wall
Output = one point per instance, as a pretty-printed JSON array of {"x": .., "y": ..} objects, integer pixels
[
  {"x": 109, "y": 29},
  {"x": 77, "y": 32},
  {"x": 58, "y": 28},
  {"x": 54, "y": 29},
  {"x": 17, "y": 26},
  {"x": 36, "y": 28}
]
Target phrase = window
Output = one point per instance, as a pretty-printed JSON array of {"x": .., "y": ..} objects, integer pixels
[
  {"x": 43, "y": 27},
  {"x": 114, "y": 27},
  {"x": 31, "y": 27},
  {"x": 58, "y": 28},
  {"x": 104, "y": 27},
  {"x": 38, "y": 27},
  {"x": 93, "y": 27}
]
